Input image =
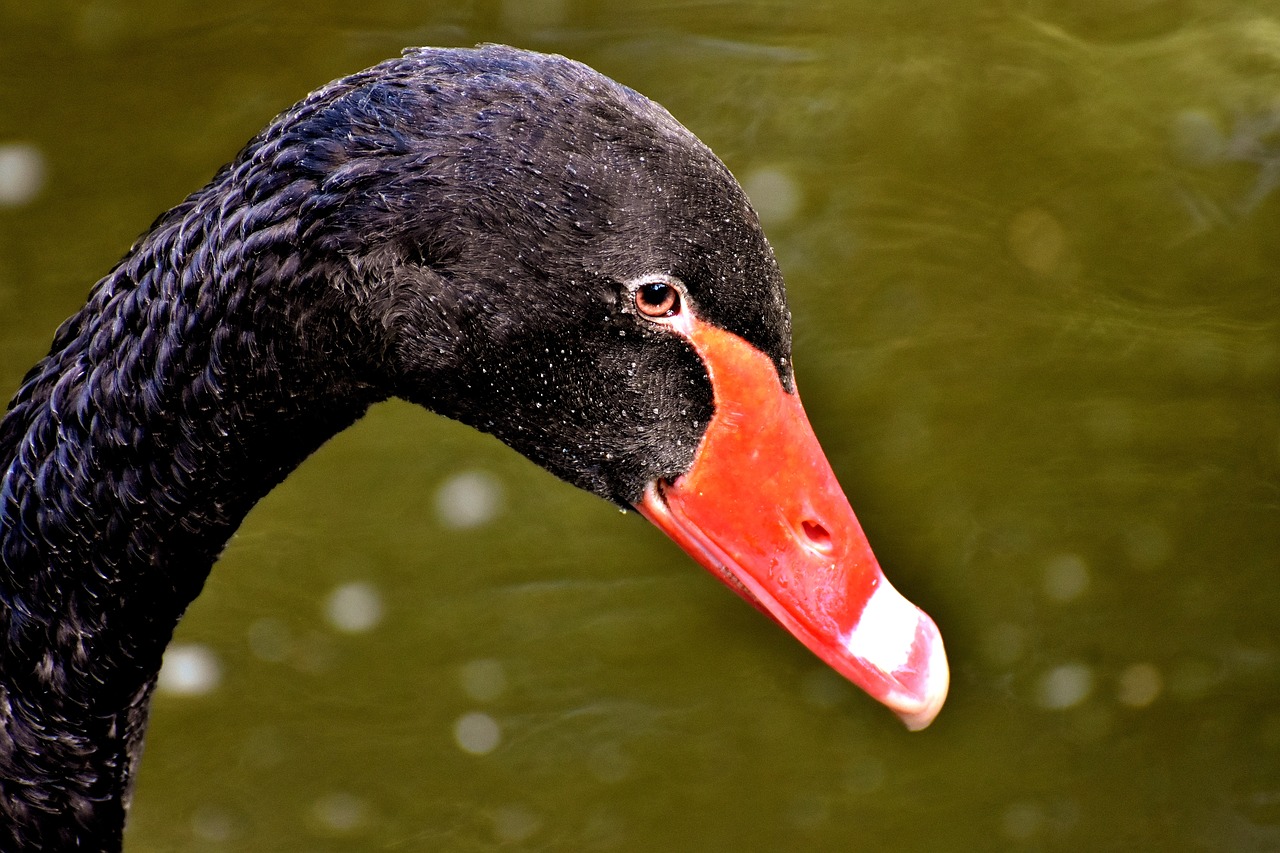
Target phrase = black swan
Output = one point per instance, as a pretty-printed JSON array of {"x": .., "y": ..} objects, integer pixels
[{"x": 506, "y": 238}]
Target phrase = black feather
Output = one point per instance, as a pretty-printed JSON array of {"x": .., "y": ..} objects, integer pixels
[{"x": 455, "y": 227}]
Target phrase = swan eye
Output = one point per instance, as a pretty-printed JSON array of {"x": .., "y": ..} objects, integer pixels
[{"x": 657, "y": 299}]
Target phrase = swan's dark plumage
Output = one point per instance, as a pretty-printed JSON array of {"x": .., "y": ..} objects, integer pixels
[{"x": 453, "y": 227}]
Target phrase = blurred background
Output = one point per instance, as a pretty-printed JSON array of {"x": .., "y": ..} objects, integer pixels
[{"x": 1033, "y": 252}]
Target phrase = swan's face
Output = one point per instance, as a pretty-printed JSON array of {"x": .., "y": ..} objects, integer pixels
[
  {"x": 522, "y": 218},
  {"x": 567, "y": 268}
]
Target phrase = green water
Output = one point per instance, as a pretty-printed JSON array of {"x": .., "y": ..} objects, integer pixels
[{"x": 1033, "y": 249}]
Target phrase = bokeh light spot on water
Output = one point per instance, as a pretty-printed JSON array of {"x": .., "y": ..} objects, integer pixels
[
  {"x": 1022, "y": 820},
  {"x": 469, "y": 499},
  {"x": 483, "y": 679},
  {"x": 189, "y": 669},
  {"x": 355, "y": 607},
  {"x": 604, "y": 830},
  {"x": 340, "y": 812},
  {"x": 1038, "y": 241},
  {"x": 212, "y": 824},
  {"x": 477, "y": 733},
  {"x": 810, "y": 811},
  {"x": 21, "y": 174},
  {"x": 1064, "y": 686},
  {"x": 1198, "y": 137},
  {"x": 515, "y": 823},
  {"x": 774, "y": 194},
  {"x": 1140, "y": 685},
  {"x": 1066, "y": 577}
]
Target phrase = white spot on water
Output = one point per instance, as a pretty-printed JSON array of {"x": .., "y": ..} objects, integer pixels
[
  {"x": 189, "y": 669},
  {"x": 355, "y": 607},
  {"x": 1140, "y": 685},
  {"x": 340, "y": 812},
  {"x": 809, "y": 812},
  {"x": 1198, "y": 137},
  {"x": 469, "y": 499},
  {"x": 210, "y": 823},
  {"x": 477, "y": 733},
  {"x": 1022, "y": 820},
  {"x": 1038, "y": 241},
  {"x": 1066, "y": 577},
  {"x": 1065, "y": 686},
  {"x": 513, "y": 824},
  {"x": 774, "y": 194},
  {"x": 21, "y": 174},
  {"x": 484, "y": 679}
]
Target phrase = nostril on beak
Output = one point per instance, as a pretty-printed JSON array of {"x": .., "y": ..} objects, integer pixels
[{"x": 817, "y": 536}]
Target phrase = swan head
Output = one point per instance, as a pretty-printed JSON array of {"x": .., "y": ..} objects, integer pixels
[{"x": 550, "y": 257}]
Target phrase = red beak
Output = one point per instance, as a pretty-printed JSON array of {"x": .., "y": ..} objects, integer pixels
[{"x": 761, "y": 508}]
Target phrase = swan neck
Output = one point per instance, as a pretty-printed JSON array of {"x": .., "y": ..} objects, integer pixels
[{"x": 187, "y": 387}]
